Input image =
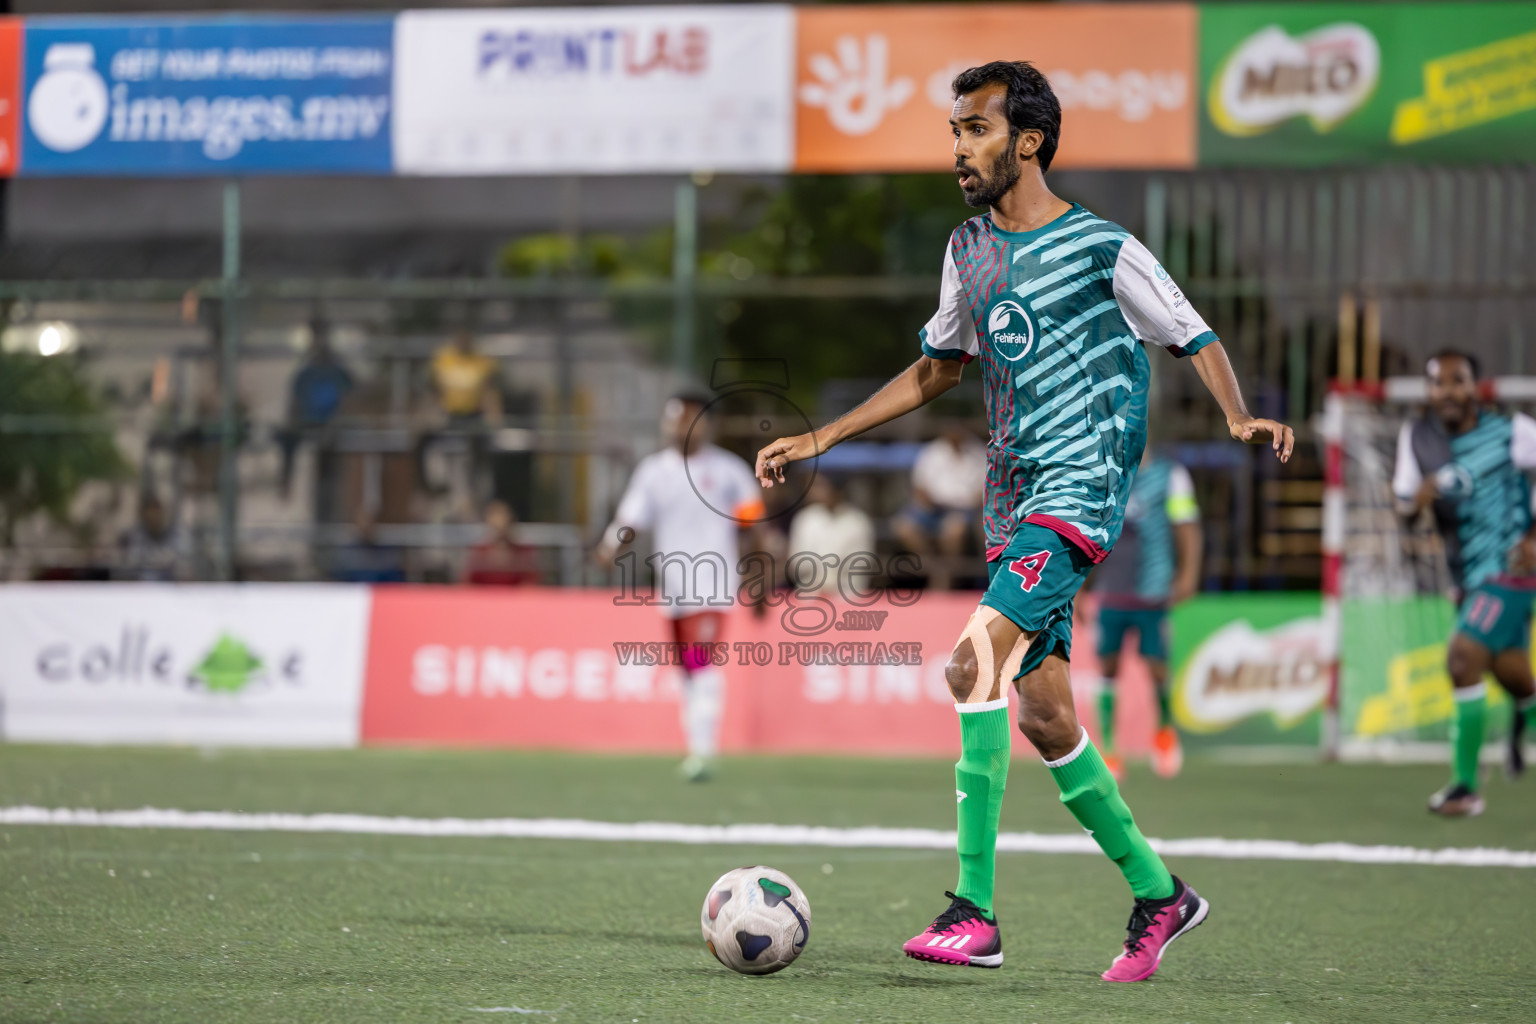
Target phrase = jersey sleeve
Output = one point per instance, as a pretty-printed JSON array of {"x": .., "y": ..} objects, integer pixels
[
  {"x": 1180, "y": 505},
  {"x": 951, "y": 333},
  {"x": 747, "y": 497},
  {"x": 1154, "y": 306},
  {"x": 636, "y": 508},
  {"x": 1522, "y": 441},
  {"x": 1406, "y": 475}
]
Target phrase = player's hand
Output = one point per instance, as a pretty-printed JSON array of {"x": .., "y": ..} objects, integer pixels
[
  {"x": 1522, "y": 557},
  {"x": 1256, "y": 431},
  {"x": 774, "y": 457}
]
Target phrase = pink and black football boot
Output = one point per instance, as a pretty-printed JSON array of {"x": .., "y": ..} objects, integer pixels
[
  {"x": 1153, "y": 926},
  {"x": 961, "y": 936}
]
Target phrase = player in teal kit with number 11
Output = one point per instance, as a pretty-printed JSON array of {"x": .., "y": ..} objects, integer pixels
[{"x": 1058, "y": 307}]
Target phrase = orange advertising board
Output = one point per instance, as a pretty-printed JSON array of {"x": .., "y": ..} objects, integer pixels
[{"x": 872, "y": 82}]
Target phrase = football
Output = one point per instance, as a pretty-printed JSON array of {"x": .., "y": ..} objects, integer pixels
[{"x": 756, "y": 920}]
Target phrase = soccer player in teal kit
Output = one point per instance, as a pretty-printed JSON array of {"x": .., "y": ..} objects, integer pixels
[
  {"x": 1058, "y": 307},
  {"x": 1470, "y": 465}
]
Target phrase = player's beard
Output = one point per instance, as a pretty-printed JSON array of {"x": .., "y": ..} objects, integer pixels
[{"x": 992, "y": 187}]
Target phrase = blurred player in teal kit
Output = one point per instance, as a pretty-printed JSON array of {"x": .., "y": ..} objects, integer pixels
[
  {"x": 1155, "y": 565},
  {"x": 1057, "y": 307},
  {"x": 1470, "y": 465}
]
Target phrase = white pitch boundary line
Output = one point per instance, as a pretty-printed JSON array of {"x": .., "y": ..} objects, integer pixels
[{"x": 747, "y": 835}]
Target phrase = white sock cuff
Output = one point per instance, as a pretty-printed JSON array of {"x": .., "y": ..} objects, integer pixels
[
  {"x": 1477, "y": 692},
  {"x": 991, "y": 705},
  {"x": 1082, "y": 745}
]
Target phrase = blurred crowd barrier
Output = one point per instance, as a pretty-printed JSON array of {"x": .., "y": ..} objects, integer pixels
[{"x": 338, "y": 665}]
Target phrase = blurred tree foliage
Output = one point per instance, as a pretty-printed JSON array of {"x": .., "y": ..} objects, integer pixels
[
  {"x": 808, "y": 226},
  {"x": 49, "y": 446}
]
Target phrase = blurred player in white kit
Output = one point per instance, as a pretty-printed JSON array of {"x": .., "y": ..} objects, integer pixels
[{"x": 697, "y": 499}]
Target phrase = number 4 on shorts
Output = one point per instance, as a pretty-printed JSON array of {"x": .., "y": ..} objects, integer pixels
[{"x": 1029, "y": 568}]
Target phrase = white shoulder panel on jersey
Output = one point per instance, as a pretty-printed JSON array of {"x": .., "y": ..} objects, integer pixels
[
  {"x": 1522, "y": 441},
  {"x": 1406, "y": 475},
  {"x": 951, "y": 333},
  {"x": 1154, "y": 306}
]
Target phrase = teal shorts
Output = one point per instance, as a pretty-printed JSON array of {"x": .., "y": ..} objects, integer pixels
[
  {"x": 1150, "y": 624},
  {"x": 1498, "y": 617},
  {"x": 1033, "y": 583}
]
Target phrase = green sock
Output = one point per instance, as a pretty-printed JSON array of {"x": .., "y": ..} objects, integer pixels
[
  {"x": 980, "y": 776},
  {"x": 1164, "y": 707},
  {"x": 1467, "y": 733},
  {"x": 1107, "y": 712},
  {"x": 1090, "y": 793},
  {"x": 1527, "y": 709}
]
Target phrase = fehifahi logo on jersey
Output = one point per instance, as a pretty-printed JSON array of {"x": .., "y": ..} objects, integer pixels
[
  {"x": 1452, "y": 480},
  {"x": 1011, "y": 330}
]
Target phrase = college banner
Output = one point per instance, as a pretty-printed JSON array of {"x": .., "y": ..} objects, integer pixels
[
  {"x": 254, "y": 664},
  {"x": 872, "y": 84},
  {"x": 573, "y": 669},
  {"x": 1250, "y": 669},
  {"x": 201, "y": 96},
  {"x": 1301, "y": 84},
  {"x": 602, "y": 90}
]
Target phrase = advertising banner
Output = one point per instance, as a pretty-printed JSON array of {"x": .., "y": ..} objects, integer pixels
[
  {"x": 1318, "y": 84},
  {"x": 872, "y": 83},
  {"x": 260, "y": 665},
  {"x": 207, "y": 96},
  {"x": 1250, "y": 669},
  {"x": 594, "y": 90},
  {"x": 571, "y": 669},
  {"x": 10, "y": 93},
  {"x": 1393, "y": 684}
]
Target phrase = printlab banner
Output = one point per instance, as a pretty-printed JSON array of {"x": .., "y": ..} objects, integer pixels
[
  {"x": 256, "y": 664},
  {"x": 207, "y": 96},
  {"x": 594, "y": 91},
  {"x": 1317, "y": 84}
]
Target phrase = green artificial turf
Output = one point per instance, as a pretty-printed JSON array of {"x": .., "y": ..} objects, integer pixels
[{"x": 130, "y": 925}]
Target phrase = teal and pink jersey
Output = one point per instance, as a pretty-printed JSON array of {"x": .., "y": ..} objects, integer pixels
[{"x": 1059, "y": 317}]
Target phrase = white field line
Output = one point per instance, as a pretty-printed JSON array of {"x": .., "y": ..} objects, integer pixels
[{"x": 747, "y": 835}]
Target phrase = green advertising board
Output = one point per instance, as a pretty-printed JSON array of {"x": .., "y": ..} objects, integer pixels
[
  {"x": 1392, "y": 679},
  {"x": 1250, "y": 669},
  {"x": 1323, "y": 84}
]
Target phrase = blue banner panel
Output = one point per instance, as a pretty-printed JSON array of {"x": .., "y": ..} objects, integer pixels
[{"x": 210, "y": 96}]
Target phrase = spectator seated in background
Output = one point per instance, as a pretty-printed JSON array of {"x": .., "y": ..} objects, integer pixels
[
  {"x": 315, "y": 395},
  {"x": 947, "y": 485},
  {"x": 364, "y": 559},
  {"x": 466, "y": 383},
  {"x": 499, "y": 560},
  {"x": 154, "y": 550},
  {"x": 829, "y": 524}
]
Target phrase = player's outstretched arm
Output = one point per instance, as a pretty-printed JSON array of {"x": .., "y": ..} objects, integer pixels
[
  {"x": 917, "y": 385},
  {"x": 1216, "y": 371}
]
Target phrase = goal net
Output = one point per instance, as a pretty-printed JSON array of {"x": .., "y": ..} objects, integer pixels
[{"x": 1391, "y": 590}]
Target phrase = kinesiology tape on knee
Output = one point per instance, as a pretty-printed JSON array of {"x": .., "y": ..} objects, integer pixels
[{"x": 986, "y": 662}]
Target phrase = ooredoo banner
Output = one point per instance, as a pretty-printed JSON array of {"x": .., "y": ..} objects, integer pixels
[
  {"x": 197, "y": 96},
  {"x": 1313, "y": 84},
  {"x": 573, "y": 669},
  {"x": 261, "y": 665},
  {"x": 10, "y": 93},
  {"x": 872, "y": 86},
  {"x": 594, "y": 91}
]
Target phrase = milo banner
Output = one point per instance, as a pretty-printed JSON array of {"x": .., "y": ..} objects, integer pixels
[
  {"x": 1393, "y": 684},
  {"x": 1318, "y": 84},
  {"x": 1250, "y": 669}
]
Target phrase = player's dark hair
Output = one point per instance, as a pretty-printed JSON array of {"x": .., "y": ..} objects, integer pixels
[
  {"x": 1030, "y": 102},
  {"x": 1456, "y": 353}
]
